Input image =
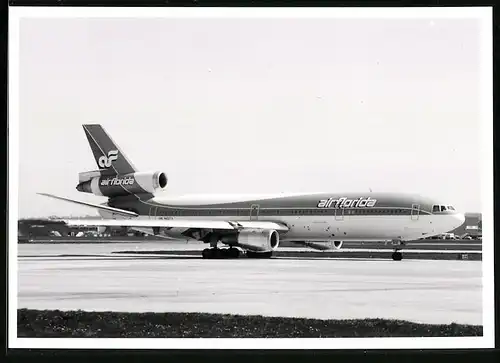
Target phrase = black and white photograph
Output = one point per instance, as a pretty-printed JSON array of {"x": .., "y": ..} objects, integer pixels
[{"x": 259, "y": 173}]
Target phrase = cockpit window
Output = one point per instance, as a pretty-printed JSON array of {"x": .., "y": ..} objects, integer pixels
[{"x": 441, "y": 208}]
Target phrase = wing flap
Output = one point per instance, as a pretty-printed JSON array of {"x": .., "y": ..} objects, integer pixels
[{"x": 133, "y": 221}]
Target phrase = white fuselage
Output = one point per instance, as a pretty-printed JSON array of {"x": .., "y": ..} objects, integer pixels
[
  {"x": 350, "y": 228},
  {"x": 319, "y": 227}
]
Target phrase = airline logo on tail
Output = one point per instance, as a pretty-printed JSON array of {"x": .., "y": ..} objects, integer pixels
[
  {"x": 106, "y": 161},
  {"x": 117, "y": 181}
]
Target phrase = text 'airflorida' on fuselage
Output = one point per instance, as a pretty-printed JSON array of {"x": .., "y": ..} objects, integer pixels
[{"x": 344, "y": 202}]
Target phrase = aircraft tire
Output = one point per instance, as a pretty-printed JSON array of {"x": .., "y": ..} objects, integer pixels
[
  {"x": 397, "y": 256},
  {"x": 207, "y": 253},
  {"x": 233, "y": 252},
  {"x": 211, "y": 253}
]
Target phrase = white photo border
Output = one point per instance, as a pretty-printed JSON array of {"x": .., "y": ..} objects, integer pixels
[{"x": 483, "y": 14}]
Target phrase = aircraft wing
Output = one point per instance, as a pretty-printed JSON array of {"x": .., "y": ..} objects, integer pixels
[
  {"x": 132, "y": 220},
  {"x": 177, "y": 223},
  {"x": 92, "y": 205}
]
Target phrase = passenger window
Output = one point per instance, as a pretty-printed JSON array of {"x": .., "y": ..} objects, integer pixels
[
  {"x": 443, "y": 208},
  {"x": 451, "y": 207},
  {"x": 435, "y": 208}
]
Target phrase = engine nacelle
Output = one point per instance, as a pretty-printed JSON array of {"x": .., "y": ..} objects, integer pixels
[
  {"x": 314, "y": 245},
  {"x": 321, "y": 246},
  {"x": 255, "y": 240},
  {"x": 122, "y": 185}
]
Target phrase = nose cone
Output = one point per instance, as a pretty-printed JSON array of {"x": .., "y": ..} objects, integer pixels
[
  {"x": 459, "y": 219},
  {"x": 446, "y": 223}
]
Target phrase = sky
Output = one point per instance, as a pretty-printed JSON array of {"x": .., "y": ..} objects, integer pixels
[{"x": 253, "y": 105}]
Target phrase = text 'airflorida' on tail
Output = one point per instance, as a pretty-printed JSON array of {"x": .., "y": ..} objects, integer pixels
[{"x": 116, "y": 176}]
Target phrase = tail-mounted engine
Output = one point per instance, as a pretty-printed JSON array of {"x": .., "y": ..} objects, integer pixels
[{"x": 121, "y": 185}]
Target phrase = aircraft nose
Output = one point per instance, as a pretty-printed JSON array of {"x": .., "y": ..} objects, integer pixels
[{"x": 460, "y": 219}]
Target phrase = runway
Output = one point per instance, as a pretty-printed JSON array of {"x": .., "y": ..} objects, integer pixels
[{"x": 91, "y": 277}]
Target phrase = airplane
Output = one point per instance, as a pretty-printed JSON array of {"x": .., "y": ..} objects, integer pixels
[{"x": 254, "y": 224}]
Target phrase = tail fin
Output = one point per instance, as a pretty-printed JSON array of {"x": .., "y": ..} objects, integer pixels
[{"x": 107, "y": 154}]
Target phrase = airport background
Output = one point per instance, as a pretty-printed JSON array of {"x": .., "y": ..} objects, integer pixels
[{"x": 51, "y": 229}]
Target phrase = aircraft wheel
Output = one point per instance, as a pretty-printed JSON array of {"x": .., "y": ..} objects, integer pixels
[
  {"x": 218, "y": 253},
  {"x": 234, "y": 252},
  {"x": 397, "y": 256},
  {"x": 223, "y": 253},
  {"x": 212, "y": 253},
  {"x": 229, "y": 253},
  {"x": 207, "y": 253}
]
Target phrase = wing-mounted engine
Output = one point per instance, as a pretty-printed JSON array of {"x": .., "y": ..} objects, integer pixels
[
  {"x": 255, "y": 240},
  {"x": 100, "y": 183},
  {"x": 321, "y": 246}
]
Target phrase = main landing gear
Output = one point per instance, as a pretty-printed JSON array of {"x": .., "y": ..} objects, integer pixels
[
  {"x": 214, "y": 253},
  {"x": 220, "y": 253}
]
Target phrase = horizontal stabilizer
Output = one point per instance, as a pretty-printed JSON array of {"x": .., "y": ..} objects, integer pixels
[
  {"x": 97, "y": 206},
  {"x": 176, "y": 223},
  {"x": 88, "y": 175}
]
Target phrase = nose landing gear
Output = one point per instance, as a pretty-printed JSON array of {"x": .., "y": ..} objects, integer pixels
[{"x": 396, "y": 255}]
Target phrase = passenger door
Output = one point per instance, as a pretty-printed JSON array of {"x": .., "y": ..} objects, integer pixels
[
  {"x": 254, "y": 212},
  {"x": 339, "y": 214},
  {"x": 415, "y": 212}
]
